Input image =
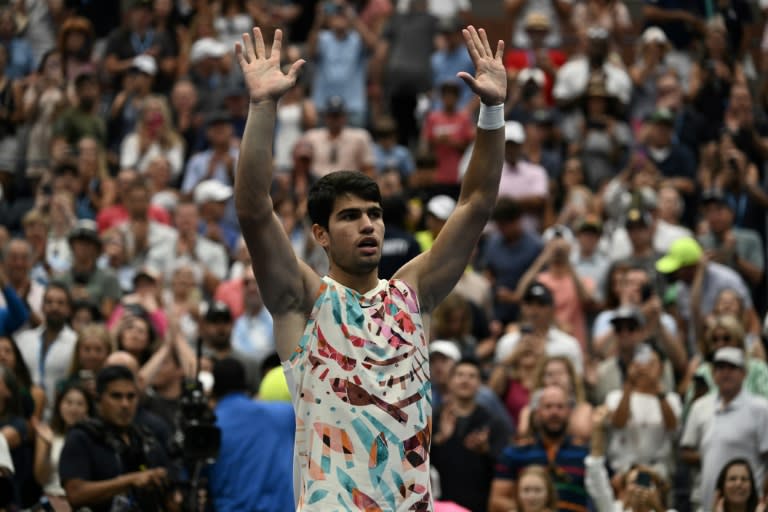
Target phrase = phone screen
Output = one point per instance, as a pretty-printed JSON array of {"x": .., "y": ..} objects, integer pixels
[{"x": 643, "y": 479}]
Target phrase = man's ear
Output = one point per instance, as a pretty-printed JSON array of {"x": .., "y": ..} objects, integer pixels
[{"x": 321, "y": 235}]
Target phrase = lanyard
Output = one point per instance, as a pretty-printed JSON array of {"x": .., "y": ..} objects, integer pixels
[
  {"x": 41, "y": 361},
  {"x": 142, "y": 45}
]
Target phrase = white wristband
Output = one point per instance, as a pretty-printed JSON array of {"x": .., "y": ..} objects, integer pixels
[{"x": 491, "y": 116}]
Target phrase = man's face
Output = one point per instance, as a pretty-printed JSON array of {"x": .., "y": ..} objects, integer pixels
[
  {"x": 628, "y": 334},
  {"x": 640, "y": 235},
  {"x": 219, "y": 134},
  {"x": 335, "y": 121},
  {"x": 537, "y": 313},
  {"x": 85, "y": 252},
  {"x": 118, "y": 402},
  {"x": 18, "y": 259},
  {"x": 354, "y": 236},
  {"x": 137, "y": 203},
  {"x": 440, "y": 369},
  {"x": 217, "y": 332},
  {"x": 728, "y": 378},
  {"x": 668, "y": 94},
  {"x": 510, "y": 230},
  {"x": 719, "y": 217},
  {"x": 553, "y": 411},
  {"x": 186, "y": 219},
  {"x": 511, "y": 152},
  {"x": 465, "y": 381},
  {"x": 588, "y": 240},
  {"x": 660, "y": 135},
  {"x": 56, "y": 307}
]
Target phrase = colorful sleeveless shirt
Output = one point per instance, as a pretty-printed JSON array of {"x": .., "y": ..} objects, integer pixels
[{"x": 363, "y": 402}]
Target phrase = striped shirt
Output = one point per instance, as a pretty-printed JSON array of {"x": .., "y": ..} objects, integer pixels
[{"x": 566, "y": 468}]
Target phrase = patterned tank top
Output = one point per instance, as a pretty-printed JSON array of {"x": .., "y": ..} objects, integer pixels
[{"x": 361, "y": 391}]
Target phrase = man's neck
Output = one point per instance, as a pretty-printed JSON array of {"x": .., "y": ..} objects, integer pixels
[
  {"x": 359, "y": 283},
  {"x": 727, "y": 398},
  {"x": 50, "y": 334},
  {"x": 172, "y": 391},
  {"x": 82, "y": 267},
  {"x": 464, "y": 407},
  {"x": 550, "y": 440}
]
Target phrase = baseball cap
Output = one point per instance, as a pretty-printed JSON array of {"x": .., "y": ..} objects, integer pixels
[
  {"x": 441, "y": 206},
  {"x": 535, "y": 74},
  {"x": 590, "y": 223},
  {"x": 654, "y": 35},
  {"x": 636, "y": 216},
  {"x": 147, "y": 272},
  {"x": 536, "y": 20},
  {"x": 218, "y": 311},
  {"x": 216, "y": 117},
  {"x": 335, "y": 105},
  {"x": 205, "y": 48},
  {"x": 445, "y": 348},
  {"x": 683, "y": 252},
  {"x": 212, "y": 190},
  {"x": 715, "y": 196},
  {"x": 86, "y": 230},
  {"x": 537, "y": 292},
  {"x": 514, "y": 132},
  {"x": 662, "y": 116},
  {"x": 627, "y": 314},
  {"x": 730, "y": 355},
  {"x": 145, "y": 64}
]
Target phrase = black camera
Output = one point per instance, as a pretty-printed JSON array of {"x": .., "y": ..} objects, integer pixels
[{"x": 197, "y": 435}]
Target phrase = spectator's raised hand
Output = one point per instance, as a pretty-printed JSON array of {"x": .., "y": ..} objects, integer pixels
[
  {"x": 261, "y": 69},
  {"x": 490, "y": 80}
]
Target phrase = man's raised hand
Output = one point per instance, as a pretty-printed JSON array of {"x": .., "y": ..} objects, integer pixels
[
  {"x": 490, "y": 80},
  {"x": 261, "y": 69}
]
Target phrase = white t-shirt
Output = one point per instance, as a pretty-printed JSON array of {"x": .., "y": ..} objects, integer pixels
[{"x": 644, "y": 439}]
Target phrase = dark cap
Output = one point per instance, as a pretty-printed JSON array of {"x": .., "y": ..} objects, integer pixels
[
  {"x": 628, "y": 314},
  {"x": 714, "y": 196},
  {"x": 590, "y": 223},
  {"x": 218, "y": 312},
  {"x": 141, "y": 4},
  {"x": 542, "y": 116},
  {"x": 662, "y": 116},
  {"x": 449, "y": 25},
  {"x": 537, "y": 292},
  {"x": 335, "y": 105},
  {"x": 85, "y": 230},
  {"x": 637, "y": 217},
  {"x": 218, "y": 117}
]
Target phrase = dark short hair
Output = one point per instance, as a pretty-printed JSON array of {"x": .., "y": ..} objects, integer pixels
[
  {"x": 469, "y": 361},
  {"x": 110, "y": 374},
  {"x": 507, "y": 209},
  {"x": 58, "y": 285},
  {"x": 228, "y": 377},
  {"x": 323, "y": 194},
  {"x": 85, "y": 78}
]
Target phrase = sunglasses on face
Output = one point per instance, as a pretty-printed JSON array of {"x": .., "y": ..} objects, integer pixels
[{"x": 725, "y": 338}]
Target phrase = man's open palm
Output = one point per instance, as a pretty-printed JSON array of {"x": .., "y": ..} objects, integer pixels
[
  {"x": 490, "y": 80},
  {"x": 261, "y": 69}
]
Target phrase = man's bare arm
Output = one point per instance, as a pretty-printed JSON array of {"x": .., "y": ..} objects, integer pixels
[
  {"x": 285, "y": 281},
  {"x": 435, "y": 272}
]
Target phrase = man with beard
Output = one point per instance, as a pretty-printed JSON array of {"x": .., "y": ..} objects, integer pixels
[
  {"x": 47, "y": 350},
  {"x": 216, "y": 335},
  {"x": 550, "y": 447},
  {"x": 82, "y": 120}
]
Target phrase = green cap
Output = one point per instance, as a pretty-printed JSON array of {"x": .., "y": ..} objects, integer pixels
[{"x": 682, "y": 253}]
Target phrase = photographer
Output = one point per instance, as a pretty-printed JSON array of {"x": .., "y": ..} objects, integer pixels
[
  {"x": 254, "y": 469},
  {"x": 109, "y": 463}
]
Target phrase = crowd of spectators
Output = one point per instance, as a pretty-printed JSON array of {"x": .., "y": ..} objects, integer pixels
[{"x": 605, "y": 349}]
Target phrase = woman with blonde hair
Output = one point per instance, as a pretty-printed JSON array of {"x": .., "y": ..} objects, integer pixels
[
  {"x": 154, "y": 135},
  {"x": 535, "y": 490},
  {"x": 92, "y": 347},
  {"x": 559, "y": 371},
  {"x": 723, "y": 331}
]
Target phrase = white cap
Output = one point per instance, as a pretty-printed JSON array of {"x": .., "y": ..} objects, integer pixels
[
  {"x": 6, "y": 462},
  {"x": 206, "y": 47},
  {"x": 446, "y": 348},
  {"x": 212, "y": 190},
  {"x": 730, "y": 355},
  {"x": 145, "y": 64},
  {"x": 514, "y": 132},
  {"x": 654, "y": 35},
  {"x": 441, "y": 206},
  {"x": 535, "y": 74}
]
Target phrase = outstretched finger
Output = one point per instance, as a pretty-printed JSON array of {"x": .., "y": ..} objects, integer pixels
[
  {"x": 277, "y": 45},
  {"x": 499, "y": 51},
  {"x": 248, "y": 44},
  {"x": 294, "y": 71},
  {"x": 239, "y": 54},
  {"x": 261, "y": 52},
  {"x": 484, "y": 40},
  {"x": 478, "y": 42},
  {"x": 468, "y": 79},
  {"x": 470, "y": 44}
]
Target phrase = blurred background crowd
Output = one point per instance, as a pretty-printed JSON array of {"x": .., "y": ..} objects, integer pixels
[{"x": 605, "y": 349}]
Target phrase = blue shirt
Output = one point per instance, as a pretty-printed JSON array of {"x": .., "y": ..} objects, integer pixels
[
  {"x": 254, "y": 335},
  {"x": 254, "y": 470},
  {"x": 341, "y": 70},
  {"x": 397, "y": 157},
  {"x": 445, "y": 66},
  {"x": 14, "y": 314},
  {"x": 21, "y": 59}
]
